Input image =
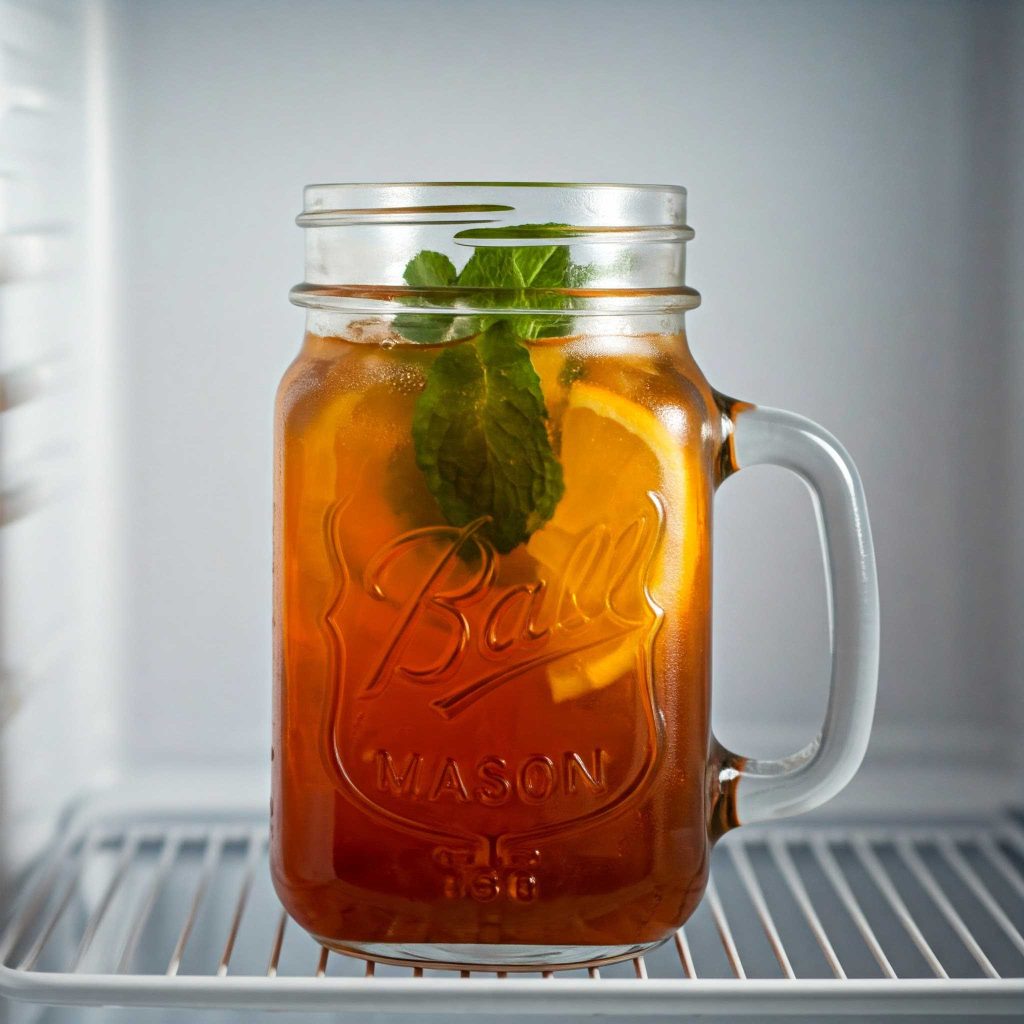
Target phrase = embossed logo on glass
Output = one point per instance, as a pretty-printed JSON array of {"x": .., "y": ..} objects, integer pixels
[{"x": 486, "y": 701}]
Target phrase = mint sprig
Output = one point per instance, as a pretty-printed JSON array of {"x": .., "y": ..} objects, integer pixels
[
  {"x": 480, "y": 426},
  {"x": 527, "y": 277}
]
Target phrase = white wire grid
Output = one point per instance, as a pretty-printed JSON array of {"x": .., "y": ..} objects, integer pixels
[{"x": 806, "y": 919}]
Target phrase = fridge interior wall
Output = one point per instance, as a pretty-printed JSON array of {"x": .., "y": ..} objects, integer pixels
[
  {"x": 854, "y": 176},
  {"x": 61, "y": 592}
]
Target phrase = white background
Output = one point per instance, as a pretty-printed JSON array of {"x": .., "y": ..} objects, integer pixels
[{"x": 854, "y": 174}]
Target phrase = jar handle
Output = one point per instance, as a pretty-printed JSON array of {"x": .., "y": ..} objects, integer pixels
[{"x": 752, "y": 790}]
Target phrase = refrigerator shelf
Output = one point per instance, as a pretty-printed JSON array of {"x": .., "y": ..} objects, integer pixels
[{"x": 165, "y": 907}]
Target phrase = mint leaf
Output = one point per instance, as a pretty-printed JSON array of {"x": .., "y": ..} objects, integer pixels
[
  {"x": 514, "y": 274},
  {"x": 427, "y": 270},
  {"x": 430, "y": 270},
  {"x": 480, "y": 434},
  {"x": 516, "y": 267}
]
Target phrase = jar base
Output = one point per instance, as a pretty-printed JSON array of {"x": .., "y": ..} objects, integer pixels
[{"x": 467, "y": 956}]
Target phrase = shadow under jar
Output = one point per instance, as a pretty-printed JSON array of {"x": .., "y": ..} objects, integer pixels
[{"x": 495, "y": 469}]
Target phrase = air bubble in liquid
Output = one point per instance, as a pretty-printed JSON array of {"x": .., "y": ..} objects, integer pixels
[{"x": 388, "y": 343}]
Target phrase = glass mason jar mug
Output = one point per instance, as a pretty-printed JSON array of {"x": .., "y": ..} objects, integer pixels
[{"x": 496, "y": 459}]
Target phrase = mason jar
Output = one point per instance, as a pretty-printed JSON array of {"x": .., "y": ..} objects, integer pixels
[{"x": 496, "y": 460}]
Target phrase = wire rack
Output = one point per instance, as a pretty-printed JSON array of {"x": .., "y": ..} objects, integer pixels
[{"x": 177, "y": 910}]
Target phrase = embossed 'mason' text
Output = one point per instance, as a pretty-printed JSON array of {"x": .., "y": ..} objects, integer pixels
[{"x": 491, "y": 780}]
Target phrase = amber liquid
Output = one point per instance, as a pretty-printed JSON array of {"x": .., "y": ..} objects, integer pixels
[{"x": 481, "y": 747}]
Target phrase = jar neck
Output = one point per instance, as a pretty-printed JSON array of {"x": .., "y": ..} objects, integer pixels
[{"x": 602, "y": 250}]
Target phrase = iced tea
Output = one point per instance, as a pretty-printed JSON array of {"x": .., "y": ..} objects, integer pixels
[{"x": 479, "y": 739}]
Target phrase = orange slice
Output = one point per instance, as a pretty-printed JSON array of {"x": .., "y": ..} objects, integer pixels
[{"x": 620, "y": 463}]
